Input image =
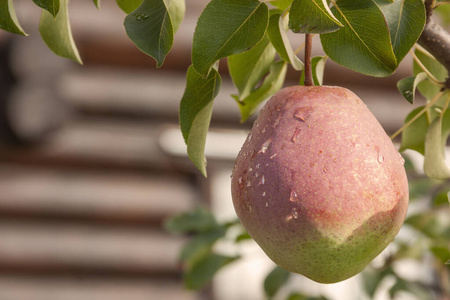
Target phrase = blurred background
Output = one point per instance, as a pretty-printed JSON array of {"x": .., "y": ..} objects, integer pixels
[{"x": 92, "y": 163}]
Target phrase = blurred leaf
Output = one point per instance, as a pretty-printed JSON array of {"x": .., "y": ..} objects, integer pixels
[
  {"x": 298, "y": 296},
  {"x": 275, "y": 280},
  {"x": 203, "y": 271},
  {"x": 97, "y": 3},
  {"x": 57, "y": 34},
  {"x": 151, "y": 30},
  {"x": 406, "y": 20},
  {"x": 448, "y": 262},
  {"x": 52, "y": 6},
  {"x": 317, "y": 68},
  {"x": 200, "y": 246},
  {"x": 421, "y": 187},
  {"x": 199, "y": 220},
  {"x": 246, "y": 69},
  {"x": 435, "y": 165},
  {"x": 243, "y": 237},
  {"x": 442, "y": 196},
  {"x": 407, "y": 86},
  {"x": 432, "y": 223},
  {"x": 364, "y": 47},
  {"x": 128, "y": 5},
  {"x": 406, "y": 286},
  {"x": 233, "y": 25},
  {"x": 195, "y": 113},
  {"x": 281, "y": 4},
  {"x": 8, "y": 18},
  {"x": 426, "y": 88},
  {"x": 372, "y": 278},
  {"x": 442, "y": 253},
  {"x": 312, "y": 16},
  {"x": 272, "y": 83},
  {"x": 278, "y": 37}
]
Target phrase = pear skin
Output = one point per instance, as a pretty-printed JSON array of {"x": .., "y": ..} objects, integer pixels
[{"x": 318, "y": 184}]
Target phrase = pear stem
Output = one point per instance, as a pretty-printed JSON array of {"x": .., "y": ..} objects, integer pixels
[{"x": 308, "y": 69}]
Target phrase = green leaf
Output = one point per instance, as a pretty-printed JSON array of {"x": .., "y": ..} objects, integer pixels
[
  {"x": 128, "y": 5},
  {"x": 272, "y": 83},
  {"x": 406, "y": 286},
  {"x": 52, "y": 6},
  {"x": 281, "y": 4},
  {"x": 407, "y": 86},
  {"x": 200, "y": 246},
  {"x": 8, "y": 18},
  {"x": 275, "y": 280},
  {"x": 198, "y": 220},
  {"x": 57, "y": 34},
  {"x": 406, "y": 20},
  {"x": 204, "y": 270},
  {"x": 372, "y": 278},
  {"x": 364, "y": 47},
  {"x": 317, "y": 68},
  {"x": 297, "y": 296},
  {"x": 448, "y": 262},
  {"x": 312, "y": 16},
  {"x": 279, "y": 39},
  {"x": 243, "y": 237},
  {"x": 227, "y": 27},
  {"x": 435, "y": 165},
  {"x": 195, "y": 113},
  {"x": 431, "y": 223},
  {"x": 246, "y": 69},
  {"x": 150, "y": 28},
  {"x": 441, "y": 252},
  {"x": 413, "y": 137},
  {"x": 97, "y": 3},
  {"x": 426, "y": 88},
  {"x": 442, "y": 196}
]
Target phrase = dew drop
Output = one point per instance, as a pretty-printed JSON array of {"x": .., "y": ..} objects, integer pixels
[
  {"x": 241, "y": 182},
  {"x": 249, "y": 138},
  {"x": 258, "y": 165},
  {"x": 380, "y": 158},
  {"x": 265, "y": 146},
  {"x": 267, "y": 204},
  {"x": 294, "y": 196},
  {"x": 263, "y": 180},
  {"x": 256, "y": 174},
  {"x": 249, "y": 183},
  {"x": 141, "y": 17},
  {"x": 294, "y": 213},
  {"x": 302, "y": 113},
  {"x": 250, "y": 208},
  {"x": 264, "y": 194},
  {"x": 277, "y": 121},
  {"x": 273, "y": 156},
  {"x": 402, "y": 160}
]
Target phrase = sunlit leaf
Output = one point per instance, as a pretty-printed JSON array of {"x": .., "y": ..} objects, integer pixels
[
  {"x": 52, "y": 6},
  {"x": 272, "y": 83},
  {"x": 128, "y": 5},
  {"x": 275, "y": 280},
  {"x": 426, "y": 88},
  {"x": 248, "y": 68},
  {"x": 151, "y": 30},
  {"x": 407, "y": 86},
  {"x": 177, "y": 9},
  {"x": 279, "y": 39},
  {"x": 312, "y": 16},
  {"x": 406, "y": 20},
  {"x": 281, "y": 4},
  {"x": 195, "y": 113},
  {"x": 57, "y": 34},
  {"x": 204, "y": 270},
  {"x": 364, "y": 47},
  {"x": 8, "y": 18},
  {"x": 227, "y": 27},
  {"x": 435, "y": 165}
]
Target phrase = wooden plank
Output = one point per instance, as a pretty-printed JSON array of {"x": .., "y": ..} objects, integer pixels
[
  {"x": 93, "y": 195},
  {"x": 80, "y": 248},
  {"x": 81, "y": 288}
]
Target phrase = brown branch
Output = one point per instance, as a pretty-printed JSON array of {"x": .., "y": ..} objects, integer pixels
[{"x": 436, "y": 40}]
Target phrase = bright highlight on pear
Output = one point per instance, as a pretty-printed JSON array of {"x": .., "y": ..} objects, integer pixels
[{"x": 318, "y": 184}]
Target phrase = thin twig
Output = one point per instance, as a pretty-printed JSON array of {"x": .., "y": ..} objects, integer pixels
[{"x": 308, "y": 55}]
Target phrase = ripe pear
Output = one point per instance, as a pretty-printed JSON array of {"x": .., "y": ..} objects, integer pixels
[{"x": 318, "y": 184}]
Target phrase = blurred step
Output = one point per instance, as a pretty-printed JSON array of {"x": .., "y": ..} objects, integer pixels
[
  {"x": 80, "y": 288},
  {"x": 124, "y": 197},
  {"x": 62, "y": 248}
]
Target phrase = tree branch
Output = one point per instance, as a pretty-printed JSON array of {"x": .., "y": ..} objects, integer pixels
[{"x": 436, "y": 40}]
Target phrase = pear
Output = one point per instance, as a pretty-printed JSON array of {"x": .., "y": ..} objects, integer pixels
[{"x": 318, "y": 184}]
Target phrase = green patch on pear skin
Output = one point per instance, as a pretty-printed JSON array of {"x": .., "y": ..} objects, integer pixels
[{"x": 318, "y": 184}]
